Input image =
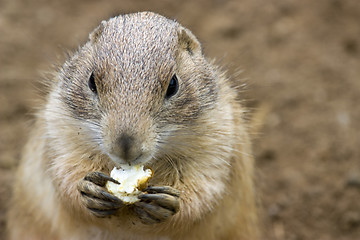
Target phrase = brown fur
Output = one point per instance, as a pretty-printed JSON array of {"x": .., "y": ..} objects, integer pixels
[{"x": 196, "y": 141}]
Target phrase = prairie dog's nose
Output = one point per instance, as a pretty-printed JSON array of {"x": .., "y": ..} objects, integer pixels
[{"x": 127, "y": 148}]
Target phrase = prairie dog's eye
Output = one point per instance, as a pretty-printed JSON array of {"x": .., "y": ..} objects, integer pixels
[
  {"x": 173, "y": 87},
  {"x": 92, "y": 84}
]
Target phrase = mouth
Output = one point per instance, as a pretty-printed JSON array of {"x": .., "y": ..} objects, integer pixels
[{"x": 142, "y": 159}]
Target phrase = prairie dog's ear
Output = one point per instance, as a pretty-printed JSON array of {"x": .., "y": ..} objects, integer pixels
[
  {"x": 188, "y": 41},
  {"x": 94, "y": 35}
]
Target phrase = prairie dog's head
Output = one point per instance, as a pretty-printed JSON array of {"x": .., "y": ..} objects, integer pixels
[{"x": 139, "y": 80}]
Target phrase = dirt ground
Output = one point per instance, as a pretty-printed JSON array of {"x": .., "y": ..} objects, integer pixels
[{"x": 301, "y": 64}]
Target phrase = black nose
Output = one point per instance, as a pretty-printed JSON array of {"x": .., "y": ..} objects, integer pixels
[{"x": 127, "y": 148}]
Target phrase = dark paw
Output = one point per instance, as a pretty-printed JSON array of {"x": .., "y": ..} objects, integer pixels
[
  {"x": 158, "y": 204},
  {"x": 96, "y": 198}
]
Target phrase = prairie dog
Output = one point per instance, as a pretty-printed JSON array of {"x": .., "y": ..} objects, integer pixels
[{"x": 139, "y": 91}]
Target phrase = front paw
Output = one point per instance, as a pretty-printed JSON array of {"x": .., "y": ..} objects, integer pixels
[
  {"x": 158, "y": 204},
  {"x": 96, "y": 198}
]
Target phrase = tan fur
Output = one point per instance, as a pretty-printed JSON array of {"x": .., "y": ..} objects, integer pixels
[{"x": 196, "y": 142}]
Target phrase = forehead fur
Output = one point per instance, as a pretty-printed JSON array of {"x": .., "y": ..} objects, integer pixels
[{"x": 140, "y": 45}]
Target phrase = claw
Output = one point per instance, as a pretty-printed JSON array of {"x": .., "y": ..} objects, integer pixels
[
  {"x": 92, "y": 190},
  {"x": 99, "y": 178},
  {"x": 155, "y": 212},
  {"x": 100, "y": 204},
  {"x": 157, "y": 204},
  {"x": 145, "y": 217},
  {"x": 165, "y": 189},
  {"x": 164, "y": 200}
]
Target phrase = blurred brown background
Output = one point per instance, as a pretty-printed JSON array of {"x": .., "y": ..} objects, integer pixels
[{"x": 301, "y": 63}]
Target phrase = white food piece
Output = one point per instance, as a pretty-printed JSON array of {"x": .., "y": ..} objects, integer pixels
[{"x": 130, "y": 179}]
